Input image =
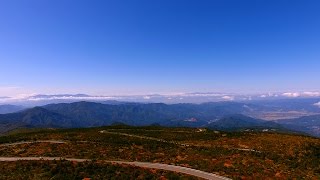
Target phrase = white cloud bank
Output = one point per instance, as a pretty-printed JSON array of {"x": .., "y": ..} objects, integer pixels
[
  {"x": 291, "y": 94},
  {"x": 301, "y": 94},
  {"x": 317, "y": 104},
  {"x": 71, "y": 98},
  {"x": 229, "y": 98},
  {"x": 147, "y": 97},
  {"x": 312, "y": 94},
  {"x": 34, "y": 98}
]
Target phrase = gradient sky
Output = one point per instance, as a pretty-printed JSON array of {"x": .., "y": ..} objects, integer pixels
[{"x": 155, "y": 46}]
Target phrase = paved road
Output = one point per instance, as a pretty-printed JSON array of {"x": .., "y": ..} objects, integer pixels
[
  {"x": 32, "y": 142},
  {"x": 39, "y": 159},
  {"x": 178, "y": 169},
  {"x": 165, "y": 141},
  {"x": 144, "y": 137},
  {"x": 124, "y": 134}
]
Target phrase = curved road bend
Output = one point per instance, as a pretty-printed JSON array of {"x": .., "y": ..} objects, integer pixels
[{"x": 178, "y": 169}]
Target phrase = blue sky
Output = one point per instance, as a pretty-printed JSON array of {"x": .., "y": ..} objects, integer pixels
[{"x": 143, "y": 46}]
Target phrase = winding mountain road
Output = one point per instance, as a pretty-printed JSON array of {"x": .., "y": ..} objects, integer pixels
[
  {"x": 33, "y": 142},
  {"x": 178, "y": 169},
  {"x": 170, "y": 142},
  {"x": 144, "y": 137}
]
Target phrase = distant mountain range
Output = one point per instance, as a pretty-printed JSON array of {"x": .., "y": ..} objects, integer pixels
[
  {"x": 309, "y": 124},
  {"x": 4, "y": 109},
  {"x": 217, "y": 115}
]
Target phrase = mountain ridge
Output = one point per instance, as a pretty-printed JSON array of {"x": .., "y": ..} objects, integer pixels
[{"x": 221, "y": 115}]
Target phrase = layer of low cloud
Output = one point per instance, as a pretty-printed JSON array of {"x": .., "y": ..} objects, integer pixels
[
  {"x": 312, "y": 94},
  {"x": 171, "y": 98},
  {"x": 301, "y": 94},
  {"x": 229, "y": 98},
  {"x": 147, "y": 97},
  {"x": 208, "y": 94},
  {"x": 71, "y": 98},
  {"x": 34, "y": 98},
  {"x": 291, "y": 94},
  {"x": 317, "y": 104}
]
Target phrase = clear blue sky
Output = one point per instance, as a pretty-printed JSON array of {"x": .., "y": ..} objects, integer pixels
[{"x": 142, "y": 46}]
